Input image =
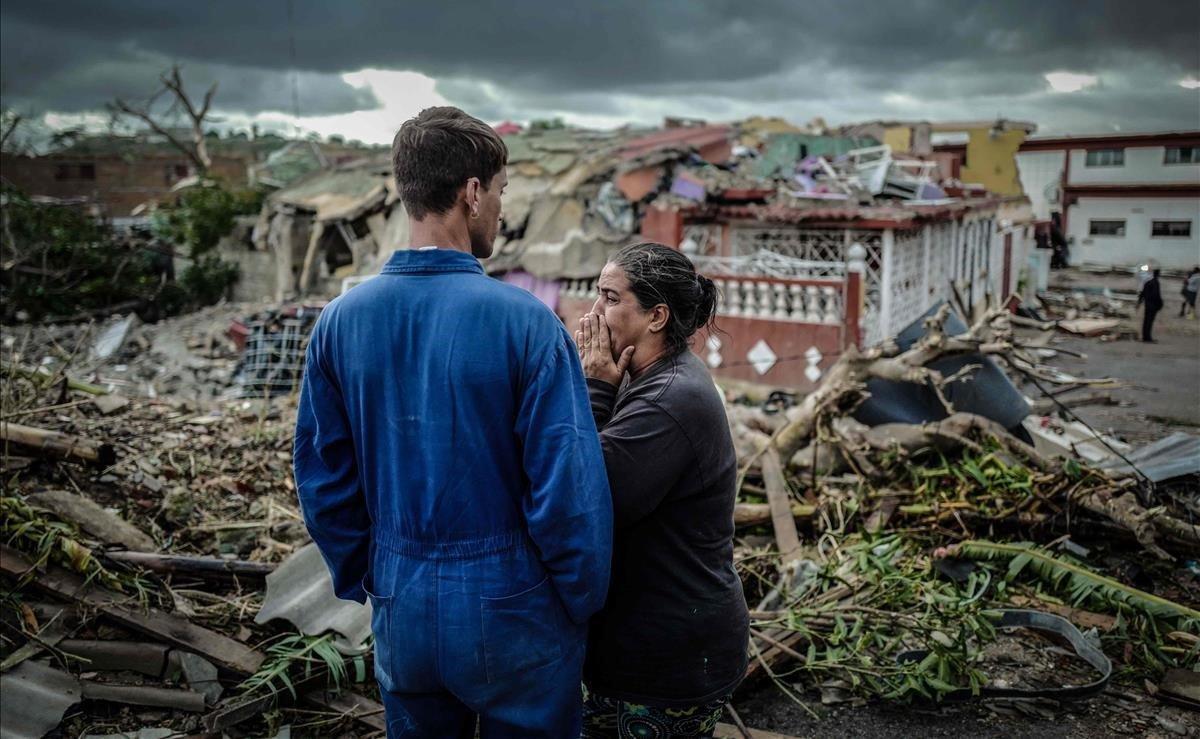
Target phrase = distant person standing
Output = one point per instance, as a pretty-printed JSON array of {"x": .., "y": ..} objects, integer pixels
[
  {"x": 1191, "y": 285},
  {"x": 1151, "y": 295}
]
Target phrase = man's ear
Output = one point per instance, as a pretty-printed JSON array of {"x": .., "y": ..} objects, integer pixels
[
  {"x": 660, "y": 315},
  {"x": 471, "y": 196}
]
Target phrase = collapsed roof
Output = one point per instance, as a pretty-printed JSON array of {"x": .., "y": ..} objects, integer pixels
[{"x": 575, "y": 196}]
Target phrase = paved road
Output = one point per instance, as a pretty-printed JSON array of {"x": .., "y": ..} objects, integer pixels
[{"x": 1164, "y": 378}]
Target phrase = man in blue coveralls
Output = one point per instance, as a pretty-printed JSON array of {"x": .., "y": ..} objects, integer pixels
[{"x": 448, "y": 465}]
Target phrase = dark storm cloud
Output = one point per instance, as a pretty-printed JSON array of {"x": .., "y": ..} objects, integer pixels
[{"x": 71, "y": 55}]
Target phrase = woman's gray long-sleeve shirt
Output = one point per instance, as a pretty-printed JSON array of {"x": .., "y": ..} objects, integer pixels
[{"x": 674, "y": 629}]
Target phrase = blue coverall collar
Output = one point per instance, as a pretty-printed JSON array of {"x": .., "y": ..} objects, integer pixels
[{"x": 431, "y": 260}]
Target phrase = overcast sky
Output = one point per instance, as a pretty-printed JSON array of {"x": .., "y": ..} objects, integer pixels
[{"x": 361, "y": 68}]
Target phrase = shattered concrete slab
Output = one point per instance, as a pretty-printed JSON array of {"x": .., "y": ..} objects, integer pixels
[
  {"x": 33, "y": 699},
  {"x": 300, "y": 591}
]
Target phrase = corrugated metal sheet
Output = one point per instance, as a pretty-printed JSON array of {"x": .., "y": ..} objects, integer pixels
[
  {"x": 33, "y": 699},
  {"x": 1169, "y": 457},
  {"x": 695, "y": 136},
  {"x": 301, "y": 591}
]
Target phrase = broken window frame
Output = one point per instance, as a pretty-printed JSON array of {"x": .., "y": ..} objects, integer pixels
[
  {"x": 1105, "y": 158},
  {"x": 1168, "y": 228},
  {"x": 1118, "y": 230}
]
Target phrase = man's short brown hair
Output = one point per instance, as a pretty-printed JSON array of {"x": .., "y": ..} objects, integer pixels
[{"x": 435, "y": 153}]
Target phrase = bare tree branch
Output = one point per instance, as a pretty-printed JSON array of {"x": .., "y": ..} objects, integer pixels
[
  {"x": 120, "y": 106},
  {"x": 10, "y": 124},
  {"x": 172, "y": 83}
]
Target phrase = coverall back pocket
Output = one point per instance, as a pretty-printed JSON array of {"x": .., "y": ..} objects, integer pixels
[
  {"x": 381, "y": 628},
  {"x": 522, "y": 632}
]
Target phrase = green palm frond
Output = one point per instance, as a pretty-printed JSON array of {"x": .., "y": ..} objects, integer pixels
[{"x": 1077, "y": 580}]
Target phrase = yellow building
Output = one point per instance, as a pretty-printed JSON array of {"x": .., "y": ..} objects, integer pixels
[{"x": 991, "y": 154}]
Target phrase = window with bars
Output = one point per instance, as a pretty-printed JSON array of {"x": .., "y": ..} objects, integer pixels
[
  {"x": 1106, "y": 228},
  {"x": 1105, "y": 158},
  {"x": 1173, "y": 229}
]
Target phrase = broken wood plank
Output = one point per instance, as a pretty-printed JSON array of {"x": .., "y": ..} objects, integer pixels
[
  {"x": 143, "y": 695},
  {"x": 58, "y": 445},
  {"x": 217, "y": 648},
  {"x": 787, "y": 538},
  {"x": 93, "y": 519},
  {"x": 362, "y": 709},
  {"x": 174, "y": 564},
  {"x": 752, "y": 514},
  {"x": 114, "y": 655},
  {"x": 773, "y": 655},
  {"x": 1089, "y": 326},
  {"x": 235, "y": 710}
]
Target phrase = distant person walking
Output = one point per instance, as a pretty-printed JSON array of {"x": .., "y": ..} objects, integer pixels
[
  {"x": 1191, "y": 285},
  {"x": 1151, "y": 295}
]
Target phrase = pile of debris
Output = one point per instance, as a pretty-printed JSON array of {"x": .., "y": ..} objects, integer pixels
[
  {"x": 137, "y": 533},
  {"x": 950, "y": 557},
  {"x": 1090, "y": 311},
  {"x": 159, "y": 577}
]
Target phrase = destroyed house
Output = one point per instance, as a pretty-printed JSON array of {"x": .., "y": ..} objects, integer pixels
[
  {"x": 822, "y": 245},
  {"x": 116, "y": 183}
]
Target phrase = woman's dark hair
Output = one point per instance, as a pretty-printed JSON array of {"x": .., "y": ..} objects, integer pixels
[{"x": 658, "y": 274}]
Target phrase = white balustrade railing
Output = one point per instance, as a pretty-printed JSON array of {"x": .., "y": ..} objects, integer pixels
[
  {"x": 584, "y": 289},
  {"x": 779, "y": 301},
  {"x": 765, "y": 263}
]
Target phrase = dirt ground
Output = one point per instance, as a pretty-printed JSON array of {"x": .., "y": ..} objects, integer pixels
[
  {"x": 1161, "y": 395},
  {"x": 1115, "y": 713}
]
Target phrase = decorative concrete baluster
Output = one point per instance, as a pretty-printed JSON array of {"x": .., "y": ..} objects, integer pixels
[
  {"x": 722, "y": 298},
  {"x": 832, "y": 314},
  {"x": 733, "y": 305},
  {"x": 747, "y": 298},
  {"x": 812, "y": 313},
  {"x": 797, "y": 296},
  {"x": 765, "y": 308},
  {"x": 780, "y": 295}
]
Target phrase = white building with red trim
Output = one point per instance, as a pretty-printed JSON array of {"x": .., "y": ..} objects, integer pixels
[{"x": 1123, "y": 199}]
